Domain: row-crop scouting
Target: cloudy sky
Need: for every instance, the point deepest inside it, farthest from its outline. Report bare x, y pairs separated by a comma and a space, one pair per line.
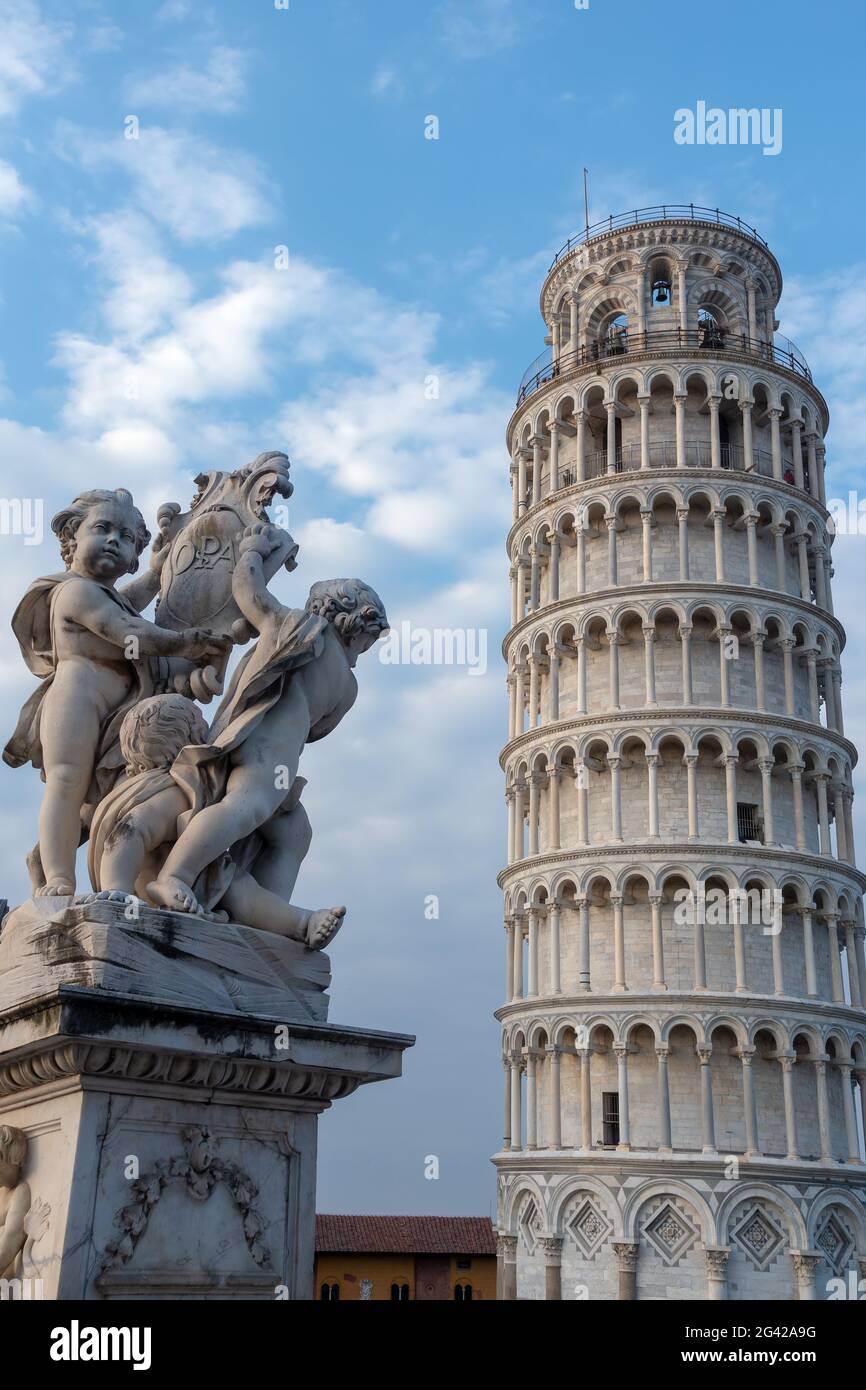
279, 258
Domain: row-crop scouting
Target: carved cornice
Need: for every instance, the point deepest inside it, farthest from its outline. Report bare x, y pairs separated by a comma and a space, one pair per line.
703, 1008
63, 1060
678, 715
700, 851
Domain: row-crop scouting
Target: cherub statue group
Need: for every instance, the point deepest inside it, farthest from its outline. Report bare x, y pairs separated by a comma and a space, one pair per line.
176, 814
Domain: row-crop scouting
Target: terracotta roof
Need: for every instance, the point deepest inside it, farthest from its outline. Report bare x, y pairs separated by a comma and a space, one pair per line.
405, 1235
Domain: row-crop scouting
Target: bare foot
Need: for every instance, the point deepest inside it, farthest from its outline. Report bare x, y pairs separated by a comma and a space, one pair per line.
323, 926
174, 894
56, 888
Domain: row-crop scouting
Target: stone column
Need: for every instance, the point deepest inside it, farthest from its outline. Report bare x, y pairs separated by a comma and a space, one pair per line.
516, 1138
517, 991
610, 407
665, 1144
649, 637
715, 442
820, 554
615, 763
553, 771
683, 538
750, 1109
580, 462
821, 780
555, 1098
532, 954
585, 1099
652, 762
717, 1273
552, 1250
809, 952
758, 639
621, 1050
719, 515
506, 1259
626, 1252
680, 410
553, 482
610, 522
582, 905
580, 645
823, 1107
532, 663
655, 901
580, 555
777, 531
739, 944
686, 639
802, 540
537, 442
776, 442
513, 575
787, 1061
555, 953
509, 958
724, 633
646, 517
553, 686
506, 1120
534, 579
836, 679
751, 520
731, 760
806, 1264
838, 993
522, 456
519, 815
644, 403
766, 765
707, 1117
797, 451
751, 310
613, 660
846, 1067
513, 477
681, 299
553, 571
796, 772
748, 443
619, 984
531, 1102
509, 802
691, 762
582, 789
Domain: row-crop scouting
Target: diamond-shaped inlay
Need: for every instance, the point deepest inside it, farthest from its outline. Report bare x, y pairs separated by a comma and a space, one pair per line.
588, 1227
758, 1236
670, 1233
835, 1242
529, 1225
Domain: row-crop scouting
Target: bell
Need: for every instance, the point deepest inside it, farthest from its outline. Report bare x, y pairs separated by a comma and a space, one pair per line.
660, 290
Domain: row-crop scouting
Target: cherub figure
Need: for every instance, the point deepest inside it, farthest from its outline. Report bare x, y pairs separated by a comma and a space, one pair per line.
135, 826
96, 657
22, 1222
292, 688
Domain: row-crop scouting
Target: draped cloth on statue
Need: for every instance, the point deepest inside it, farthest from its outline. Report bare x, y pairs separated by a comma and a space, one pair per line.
33, 625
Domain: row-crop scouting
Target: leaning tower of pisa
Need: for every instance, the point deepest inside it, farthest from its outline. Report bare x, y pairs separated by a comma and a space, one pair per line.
683, 1032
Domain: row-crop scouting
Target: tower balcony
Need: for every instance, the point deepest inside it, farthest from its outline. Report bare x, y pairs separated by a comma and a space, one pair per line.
698, 342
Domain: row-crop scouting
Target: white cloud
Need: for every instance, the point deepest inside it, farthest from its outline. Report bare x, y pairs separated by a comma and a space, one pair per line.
218, 86
14, 195
199, 191
34, 53
386, 82
478, 28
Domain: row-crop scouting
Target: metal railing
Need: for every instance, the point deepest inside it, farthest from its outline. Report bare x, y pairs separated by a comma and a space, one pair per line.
663, 212
782, 353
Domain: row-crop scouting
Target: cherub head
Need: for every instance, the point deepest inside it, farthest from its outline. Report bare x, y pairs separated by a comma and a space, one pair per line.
156, 729
355, 610
13, 1151
102, 534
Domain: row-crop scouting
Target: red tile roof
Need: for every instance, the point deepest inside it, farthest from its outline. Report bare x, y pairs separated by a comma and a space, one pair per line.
405, 1235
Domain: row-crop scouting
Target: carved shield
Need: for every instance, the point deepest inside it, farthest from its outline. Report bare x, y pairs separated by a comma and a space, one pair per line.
196, 587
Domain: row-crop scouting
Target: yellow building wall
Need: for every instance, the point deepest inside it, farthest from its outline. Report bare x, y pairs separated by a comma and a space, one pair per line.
385, 1270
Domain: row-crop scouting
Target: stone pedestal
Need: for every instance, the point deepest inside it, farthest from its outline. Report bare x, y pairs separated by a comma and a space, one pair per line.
168, 1074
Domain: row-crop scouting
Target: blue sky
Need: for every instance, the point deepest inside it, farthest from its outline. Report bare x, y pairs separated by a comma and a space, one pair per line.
145, 333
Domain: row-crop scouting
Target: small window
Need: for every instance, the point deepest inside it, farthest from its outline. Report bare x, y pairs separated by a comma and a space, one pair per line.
399, 1293
463, 1293
610, 1117
748, 822
464, 1264
330, 1291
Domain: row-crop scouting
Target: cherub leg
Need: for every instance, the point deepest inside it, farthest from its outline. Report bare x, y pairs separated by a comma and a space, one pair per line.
287, 838
68, 763
123, 857
254, 906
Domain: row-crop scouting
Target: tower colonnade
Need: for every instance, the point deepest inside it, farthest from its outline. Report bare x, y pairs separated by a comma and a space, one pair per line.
683, 1025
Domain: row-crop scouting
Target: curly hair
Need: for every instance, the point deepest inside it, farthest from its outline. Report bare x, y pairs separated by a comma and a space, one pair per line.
66, 523
350, 604
155, 730
13, 1146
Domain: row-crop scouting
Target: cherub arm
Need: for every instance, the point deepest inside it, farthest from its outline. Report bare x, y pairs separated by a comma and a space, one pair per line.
89, 606
261, 543
12, 1233
140, 591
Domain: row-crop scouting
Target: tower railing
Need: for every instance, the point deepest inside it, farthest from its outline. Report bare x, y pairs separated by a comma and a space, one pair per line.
545, 368
662, 212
